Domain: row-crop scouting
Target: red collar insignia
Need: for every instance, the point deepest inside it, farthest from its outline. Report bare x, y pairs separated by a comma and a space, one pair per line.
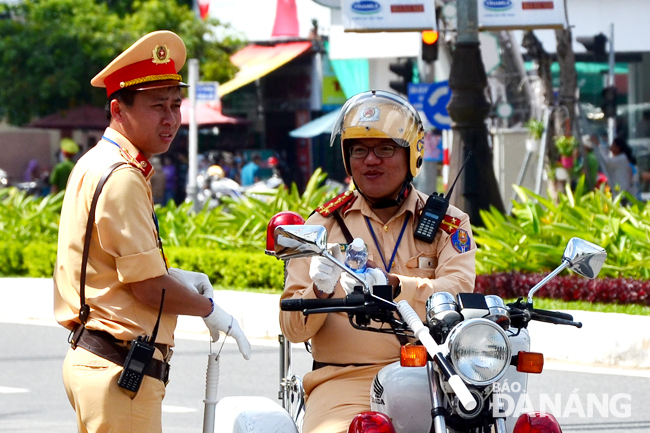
338, 201
139, 162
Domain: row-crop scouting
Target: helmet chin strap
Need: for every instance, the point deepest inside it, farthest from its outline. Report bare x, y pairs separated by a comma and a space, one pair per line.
384, 203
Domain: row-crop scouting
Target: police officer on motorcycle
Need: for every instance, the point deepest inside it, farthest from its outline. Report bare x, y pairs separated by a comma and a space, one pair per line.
382, 142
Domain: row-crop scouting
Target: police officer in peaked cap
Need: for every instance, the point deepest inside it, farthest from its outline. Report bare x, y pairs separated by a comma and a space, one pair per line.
113, 298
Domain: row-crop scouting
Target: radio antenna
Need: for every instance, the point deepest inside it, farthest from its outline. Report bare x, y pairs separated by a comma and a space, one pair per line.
469, 155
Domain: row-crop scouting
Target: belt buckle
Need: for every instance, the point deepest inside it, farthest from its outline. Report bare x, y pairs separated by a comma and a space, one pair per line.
75, 335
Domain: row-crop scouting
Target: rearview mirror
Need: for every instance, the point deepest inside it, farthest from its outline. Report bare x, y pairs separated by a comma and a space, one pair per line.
294, 241
584, 258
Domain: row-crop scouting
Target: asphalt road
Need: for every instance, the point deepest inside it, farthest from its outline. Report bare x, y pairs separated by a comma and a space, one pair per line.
32, 397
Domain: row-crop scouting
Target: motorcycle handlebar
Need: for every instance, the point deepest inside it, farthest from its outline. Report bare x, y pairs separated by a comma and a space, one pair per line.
557, 314
305, 304
543, 316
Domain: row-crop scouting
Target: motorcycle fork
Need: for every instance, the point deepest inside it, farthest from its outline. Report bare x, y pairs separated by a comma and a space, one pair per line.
500, 420
438, 411
291, 390
285, 369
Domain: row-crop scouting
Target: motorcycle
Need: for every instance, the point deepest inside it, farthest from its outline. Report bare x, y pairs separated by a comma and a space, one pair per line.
452, 381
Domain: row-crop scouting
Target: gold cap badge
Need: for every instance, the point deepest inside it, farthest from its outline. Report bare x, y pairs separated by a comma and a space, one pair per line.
160, 55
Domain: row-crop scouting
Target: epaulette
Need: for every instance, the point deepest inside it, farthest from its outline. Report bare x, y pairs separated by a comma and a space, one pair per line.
139, 162
326, 209
450, 224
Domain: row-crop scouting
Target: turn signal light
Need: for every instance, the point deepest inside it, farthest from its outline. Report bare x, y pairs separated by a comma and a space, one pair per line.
537, 422
413, 356
530, 362
371, 422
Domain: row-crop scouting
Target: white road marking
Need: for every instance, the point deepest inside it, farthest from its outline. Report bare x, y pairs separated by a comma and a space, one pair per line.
7, 390
177, 409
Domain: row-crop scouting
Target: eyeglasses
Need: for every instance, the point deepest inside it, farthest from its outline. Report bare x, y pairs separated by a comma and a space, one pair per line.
382, 151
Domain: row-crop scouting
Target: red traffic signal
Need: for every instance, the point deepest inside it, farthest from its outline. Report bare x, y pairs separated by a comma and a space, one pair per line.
430, 46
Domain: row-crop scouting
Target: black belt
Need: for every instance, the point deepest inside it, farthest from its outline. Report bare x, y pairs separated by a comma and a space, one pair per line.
108, 347
316, 365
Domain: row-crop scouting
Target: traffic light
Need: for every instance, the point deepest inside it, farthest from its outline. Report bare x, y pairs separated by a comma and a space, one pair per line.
404, 69
430, 46
594, 44
609, 101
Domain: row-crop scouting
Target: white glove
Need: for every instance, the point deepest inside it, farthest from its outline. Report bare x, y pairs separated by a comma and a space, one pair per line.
372, 276
324, 273
195, 281
219, 320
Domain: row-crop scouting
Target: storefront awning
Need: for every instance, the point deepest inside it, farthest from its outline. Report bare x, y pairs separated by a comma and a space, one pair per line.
320, 125
255, 61
207, 113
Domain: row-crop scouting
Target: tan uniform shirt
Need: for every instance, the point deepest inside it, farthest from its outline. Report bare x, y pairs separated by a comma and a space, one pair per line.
422, 269
123, 247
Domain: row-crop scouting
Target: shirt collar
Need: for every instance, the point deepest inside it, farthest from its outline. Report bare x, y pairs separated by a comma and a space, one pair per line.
130, 153
413, 204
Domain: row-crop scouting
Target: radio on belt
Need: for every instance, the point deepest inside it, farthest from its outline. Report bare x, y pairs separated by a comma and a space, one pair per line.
139, 357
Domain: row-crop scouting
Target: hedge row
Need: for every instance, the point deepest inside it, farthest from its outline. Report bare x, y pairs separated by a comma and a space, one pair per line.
567, 288
34, 260
254, 269
237, 269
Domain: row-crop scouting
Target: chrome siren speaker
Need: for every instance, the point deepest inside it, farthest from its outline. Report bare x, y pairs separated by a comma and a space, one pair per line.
442, 307
498, 311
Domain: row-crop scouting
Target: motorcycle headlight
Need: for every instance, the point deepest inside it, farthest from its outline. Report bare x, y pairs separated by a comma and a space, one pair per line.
479, 350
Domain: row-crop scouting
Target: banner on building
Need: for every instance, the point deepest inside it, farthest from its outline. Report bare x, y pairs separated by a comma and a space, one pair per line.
521, 14
388, 15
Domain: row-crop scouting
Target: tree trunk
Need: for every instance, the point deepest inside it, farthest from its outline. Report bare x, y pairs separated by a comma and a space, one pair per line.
477, 186
568, 77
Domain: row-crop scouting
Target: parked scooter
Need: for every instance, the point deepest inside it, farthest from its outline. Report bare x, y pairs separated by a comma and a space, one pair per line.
449, 382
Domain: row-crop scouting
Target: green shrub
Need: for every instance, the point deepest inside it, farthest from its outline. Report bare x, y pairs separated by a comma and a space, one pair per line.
227, 268
39, 259
533, 238
11, 259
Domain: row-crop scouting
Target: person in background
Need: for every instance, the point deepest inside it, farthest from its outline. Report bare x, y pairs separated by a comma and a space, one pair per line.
170, 179
32, 172
643, 128
621, 166
158, 182
250, 172
61, 171
589, 164
382, 143
182, 172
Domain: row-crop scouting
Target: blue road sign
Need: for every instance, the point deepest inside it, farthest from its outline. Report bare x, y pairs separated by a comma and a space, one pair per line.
432, 99
207, 91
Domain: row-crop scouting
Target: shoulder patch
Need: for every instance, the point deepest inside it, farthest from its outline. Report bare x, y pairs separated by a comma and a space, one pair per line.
450, 224
337, 202
460, 241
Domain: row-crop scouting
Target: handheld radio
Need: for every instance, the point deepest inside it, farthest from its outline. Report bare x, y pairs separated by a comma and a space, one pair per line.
139, 357
434, 211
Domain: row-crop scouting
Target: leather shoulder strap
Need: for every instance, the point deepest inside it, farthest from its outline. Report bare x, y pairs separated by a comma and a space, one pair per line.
346, 232
84, 311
